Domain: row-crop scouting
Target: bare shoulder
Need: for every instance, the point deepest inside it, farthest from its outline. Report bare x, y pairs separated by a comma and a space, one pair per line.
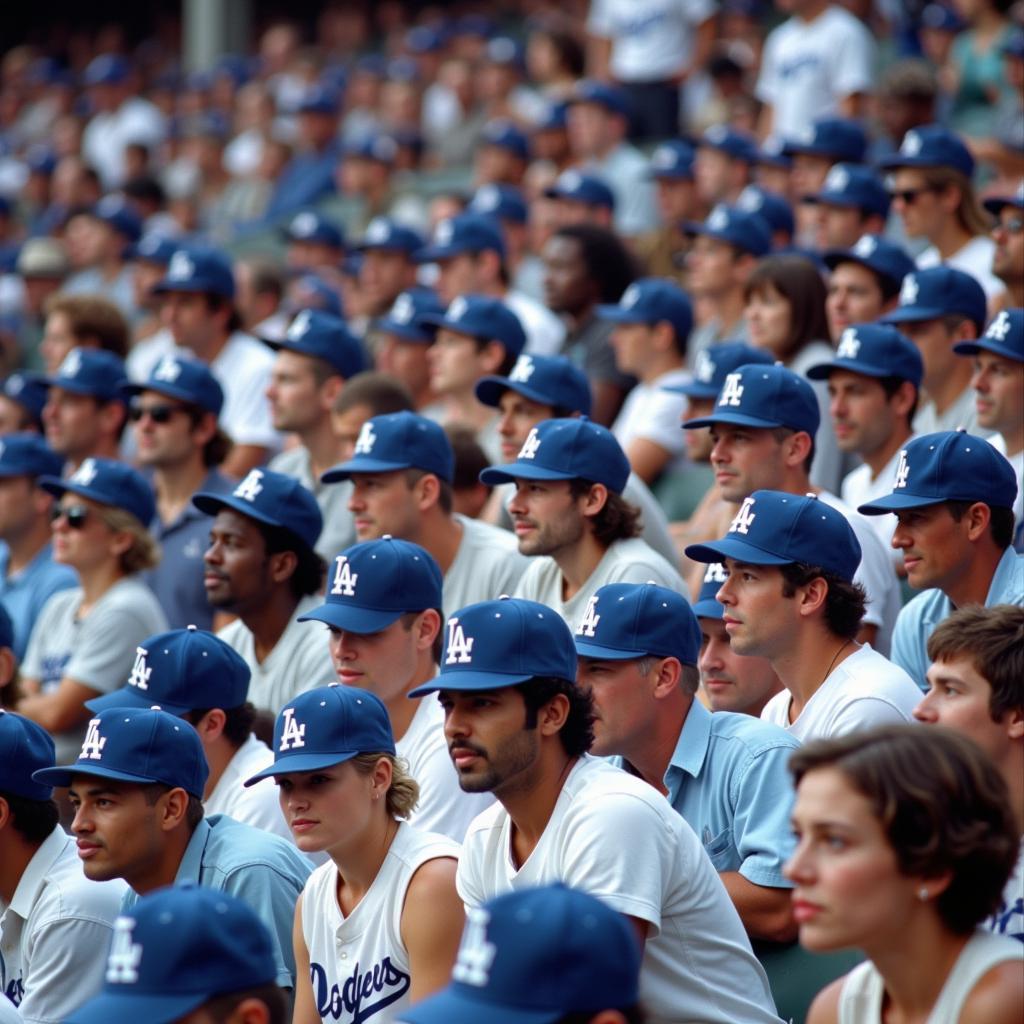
997, 997
825, 1008
434, 877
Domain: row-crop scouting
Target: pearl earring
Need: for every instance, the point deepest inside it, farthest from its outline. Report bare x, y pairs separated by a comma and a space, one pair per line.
923, 894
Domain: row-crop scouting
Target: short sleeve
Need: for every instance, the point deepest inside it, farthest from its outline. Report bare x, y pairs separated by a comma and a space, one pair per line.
908, 640
865, 713
599, 20
761, 829
767, 88
46, 626
853, 62
660, 422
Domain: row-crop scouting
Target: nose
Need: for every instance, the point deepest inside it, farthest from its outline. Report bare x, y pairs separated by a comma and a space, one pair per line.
900, 537
924, 711
798, 867
719, 455
724, 594
710, 658
356, 502
212, 555
455, 724
80, 824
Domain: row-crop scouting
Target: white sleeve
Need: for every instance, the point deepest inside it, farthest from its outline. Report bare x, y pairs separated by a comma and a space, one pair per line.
246, 415
599, 21
660, 422
853, 62
875, 573
865, 713
767, 88
696, 12
468, 881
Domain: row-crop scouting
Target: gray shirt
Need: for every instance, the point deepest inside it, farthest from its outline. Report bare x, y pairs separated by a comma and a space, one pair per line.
487, 565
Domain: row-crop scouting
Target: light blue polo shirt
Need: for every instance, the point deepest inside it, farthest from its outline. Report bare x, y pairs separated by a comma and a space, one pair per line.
264, 870
728, 779
917, 620
25, 594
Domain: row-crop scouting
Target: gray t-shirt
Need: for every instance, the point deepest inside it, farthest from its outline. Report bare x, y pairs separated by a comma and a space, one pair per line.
487, 565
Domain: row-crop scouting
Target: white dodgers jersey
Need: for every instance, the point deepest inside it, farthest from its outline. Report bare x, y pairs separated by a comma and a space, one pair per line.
358, 966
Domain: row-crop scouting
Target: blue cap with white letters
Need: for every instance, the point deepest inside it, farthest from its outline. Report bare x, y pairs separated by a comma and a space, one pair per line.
108, 482
1004, 336
483, 318
850, 185
465, 232
773, 209
878, 254
714, 364
197, 269
611, 97
403, 318
838, 138
874, 350
505, 202
548, 380
27, 748
734, 143
29, 390
386, 234
707, 605
672, 161
932, 145
320, 335
581, 188
90, 371
310, 226
740, 228
28, 455
652, 300
938, 291
183, 378
504, 134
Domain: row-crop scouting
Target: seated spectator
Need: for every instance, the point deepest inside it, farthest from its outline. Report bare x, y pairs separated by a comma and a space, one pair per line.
313, 241
402, 342
1008, 234
387, 267
581, 198
851, 202
22, 400
81, 321
723, 165
663, 250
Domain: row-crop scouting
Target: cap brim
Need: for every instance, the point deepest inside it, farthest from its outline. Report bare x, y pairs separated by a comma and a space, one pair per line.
897, 503
63, 774
910, 314
470, 681
693, 390
490, 389
130, 697
344, 470
57, 486
435, 253
983, 344
290, 763
737, 418
521, 471
211, 504
132, 388
821, 371
451, 1006
353, 619
618, 315
708, 609
78, 389
586, 649
738, 550
404, 331
108, 1008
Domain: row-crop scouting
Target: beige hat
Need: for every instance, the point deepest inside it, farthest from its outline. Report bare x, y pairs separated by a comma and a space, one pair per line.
43, 257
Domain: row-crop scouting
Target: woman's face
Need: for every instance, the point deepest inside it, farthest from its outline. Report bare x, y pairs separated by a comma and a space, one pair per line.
848, 888
770, 320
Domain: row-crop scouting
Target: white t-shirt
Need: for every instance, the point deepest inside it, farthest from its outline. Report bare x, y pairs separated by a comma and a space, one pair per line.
859, 487
487, 565
358, 962
651, 39
299, 661
653, 414
545, 332
242, 368
625, 561
698, 964
258, 805
625, 171
443, 807
1017, 461
1009, 918
962, 413
975, 258
145, 354
807, 68
864, 691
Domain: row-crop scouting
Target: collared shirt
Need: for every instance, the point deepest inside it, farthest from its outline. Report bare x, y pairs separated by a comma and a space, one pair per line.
177, 581
256, 805
24, 593
264, 870
919, 618
728, 778
55, 932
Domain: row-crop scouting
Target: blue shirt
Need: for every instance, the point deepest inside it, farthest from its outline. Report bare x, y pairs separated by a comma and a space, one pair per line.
25, 593
264, 870
728, 779
177, 581
918, 619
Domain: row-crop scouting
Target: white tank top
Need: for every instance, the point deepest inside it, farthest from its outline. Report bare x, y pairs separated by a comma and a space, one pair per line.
860, 1001
358, 966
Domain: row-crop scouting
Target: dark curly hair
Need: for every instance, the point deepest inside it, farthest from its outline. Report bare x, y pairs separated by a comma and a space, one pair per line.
844, 603
577, 735
942, 804
617, 519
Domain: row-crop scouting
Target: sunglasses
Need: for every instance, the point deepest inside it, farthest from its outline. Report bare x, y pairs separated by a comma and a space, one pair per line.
76, 516
909, 195
157, 413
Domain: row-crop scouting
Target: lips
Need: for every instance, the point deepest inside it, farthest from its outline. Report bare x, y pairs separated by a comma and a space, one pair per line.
303, 824
463, 757
87, 849
804, 911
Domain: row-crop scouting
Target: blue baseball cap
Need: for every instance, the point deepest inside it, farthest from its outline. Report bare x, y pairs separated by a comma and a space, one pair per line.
878, 254
672, 161
398, 440
1004, 336
937, 291
581, 188
108, 482
838, 138
504, 134
1013, 44
424, 39
181, 670
310, 226
552, 119
850, 185
734, 143
27, 748
942, 19
318, 99
29, 390
771, 208
932, 145
874, 350
379, 148
106, 69
319, 335
772, 154
715, 363
634, 620
465, 232
176, 949
483, 318
995, 204
403, 318
951, 465
28, 455
116, 211
775, 528
153, 248
373, 584
6, 628
502, 643
198, 270
707, 605
503, 50
186, 379
386, 234
137, 745
652, 300
764, 396
271, 498
612, 98
740, 228
547, 952
325, 726
566, 449
505, 202
310, 291
549, 380
90, 371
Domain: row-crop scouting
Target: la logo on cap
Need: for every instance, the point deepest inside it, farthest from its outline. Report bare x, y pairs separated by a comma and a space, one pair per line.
304, 224
366, 440
167, 370
140, 671
85, 474
865, 246
92, 746
719, 219
250, 486
125, 955
404, 309
530, 445
444, 232
299, 327
705, 367
908, 290
849, 344
1000, 327
457, 310
181, 267
837, 179
345, 579
911, 144
902, 470
744, 519
460, 647
72, 364
523, 370
476, 954
293, 735
588, 624
715, 573
732, 391
377, 230
631, 297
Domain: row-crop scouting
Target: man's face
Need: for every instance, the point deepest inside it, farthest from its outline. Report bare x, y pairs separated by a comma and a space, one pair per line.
731, 681
57, 340
1008, 234
758, 619
17, 514
237, 568
455, 363
190, 320
384, 663
517, 416
935, 342
458, 275
346, 427
936, 549
566, 285
698, 441
839, 227
88, 545
918, 205
712, 171
383, 275
624, 704
293, 393
862, 415
72, 422
634, 347
547, 518
589, 128
675, 199
384, 503
118, 834
712, 266
854, 297
406, 361
13, 417
999, 392
169, 442
745, 459
808, 174
488, 741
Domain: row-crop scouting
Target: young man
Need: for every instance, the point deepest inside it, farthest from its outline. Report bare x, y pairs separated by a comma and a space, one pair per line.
937, 308
852, 202
29, 577
518, 726
652, 327
974, 681
189, 956
175, 415
137, 790
384, 621
315, 359
402, 342
663, 250
261, 565
953, 501
313, 242
85, 322
197, 676
401, 471
581, 199
790, 596
569, 511
388, 267
725, 774
1008, 235
724, 162
55, 923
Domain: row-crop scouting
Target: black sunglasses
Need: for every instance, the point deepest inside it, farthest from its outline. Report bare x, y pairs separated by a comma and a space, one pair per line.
909, 195
157, 413
76, 515
1013, 226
